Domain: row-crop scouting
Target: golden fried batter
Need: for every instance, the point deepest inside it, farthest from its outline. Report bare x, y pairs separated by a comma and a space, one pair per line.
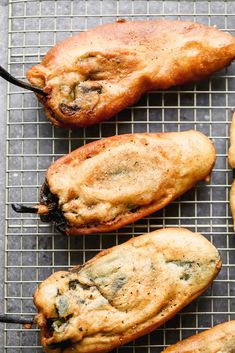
115, 181
124, 292
94, 75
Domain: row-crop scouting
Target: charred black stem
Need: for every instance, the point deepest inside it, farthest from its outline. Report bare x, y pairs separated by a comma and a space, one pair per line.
8, 77
11, 319
48, 209
24, 209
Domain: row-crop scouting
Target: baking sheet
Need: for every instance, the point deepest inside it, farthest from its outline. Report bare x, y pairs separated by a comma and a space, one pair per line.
33, 250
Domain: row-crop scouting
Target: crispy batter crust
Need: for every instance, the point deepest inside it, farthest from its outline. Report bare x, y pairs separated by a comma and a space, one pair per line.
219, 339
92, 76
112, 182
231, 152
124, 292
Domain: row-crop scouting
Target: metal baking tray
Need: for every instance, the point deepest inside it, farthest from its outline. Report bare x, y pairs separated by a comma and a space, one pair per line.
34, 250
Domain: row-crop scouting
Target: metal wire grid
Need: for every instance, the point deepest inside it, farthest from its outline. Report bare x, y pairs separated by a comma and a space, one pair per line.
33, 249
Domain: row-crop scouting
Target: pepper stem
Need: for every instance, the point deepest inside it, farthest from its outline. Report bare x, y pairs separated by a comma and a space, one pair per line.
11, 319
38, 209
8, 77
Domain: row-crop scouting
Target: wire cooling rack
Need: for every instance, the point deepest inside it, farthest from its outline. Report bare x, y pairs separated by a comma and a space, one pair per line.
34, 250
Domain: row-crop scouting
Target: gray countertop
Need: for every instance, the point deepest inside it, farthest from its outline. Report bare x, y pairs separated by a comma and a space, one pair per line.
3, 107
